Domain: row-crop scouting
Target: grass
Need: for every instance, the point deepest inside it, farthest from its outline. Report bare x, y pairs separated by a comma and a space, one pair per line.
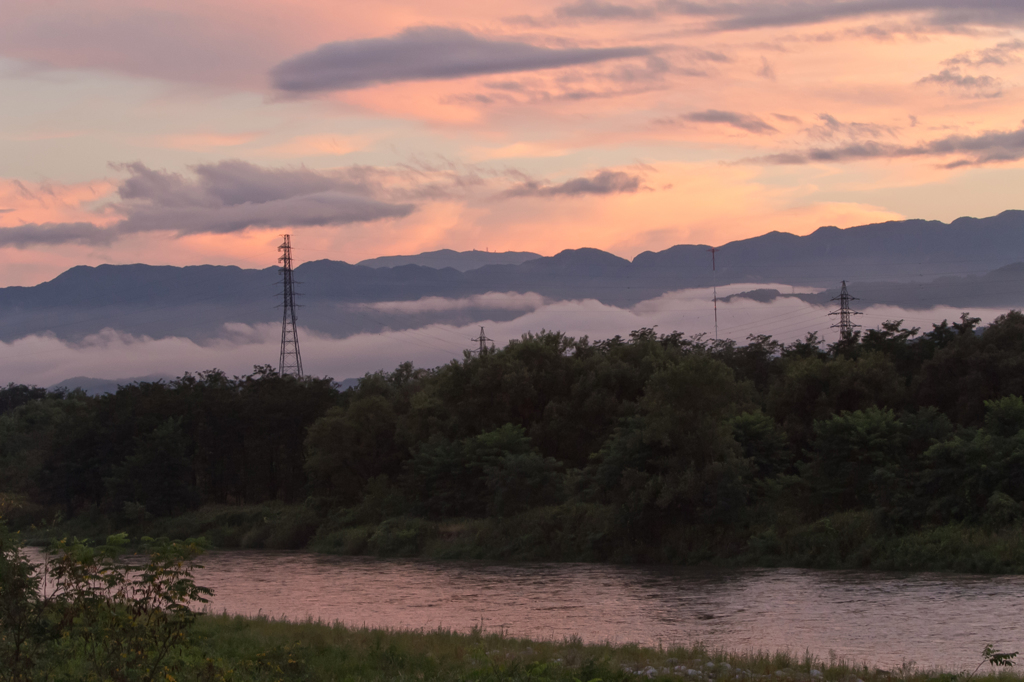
265, 649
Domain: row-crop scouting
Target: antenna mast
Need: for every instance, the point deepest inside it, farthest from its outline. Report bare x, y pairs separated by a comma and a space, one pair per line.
845, 324
291, 361
714, 284
482, 340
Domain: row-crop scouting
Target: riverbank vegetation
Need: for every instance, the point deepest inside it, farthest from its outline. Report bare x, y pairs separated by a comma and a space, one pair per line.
891, 449
319, 651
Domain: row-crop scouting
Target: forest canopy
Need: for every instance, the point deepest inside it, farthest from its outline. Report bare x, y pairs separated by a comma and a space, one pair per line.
655, 447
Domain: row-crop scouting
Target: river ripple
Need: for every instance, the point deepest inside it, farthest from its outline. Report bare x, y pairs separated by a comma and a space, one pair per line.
884, 619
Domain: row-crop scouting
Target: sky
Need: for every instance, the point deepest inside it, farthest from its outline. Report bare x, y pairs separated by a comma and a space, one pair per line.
198, 132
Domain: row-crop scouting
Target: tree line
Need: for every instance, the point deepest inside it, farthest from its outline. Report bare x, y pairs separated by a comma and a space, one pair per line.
656, 446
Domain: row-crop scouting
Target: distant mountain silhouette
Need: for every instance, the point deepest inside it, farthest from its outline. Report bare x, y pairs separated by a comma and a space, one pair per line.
100, 386
447, 258
900, 251
886, 262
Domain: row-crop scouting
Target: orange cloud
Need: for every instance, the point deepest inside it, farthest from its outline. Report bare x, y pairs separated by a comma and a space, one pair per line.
44, 202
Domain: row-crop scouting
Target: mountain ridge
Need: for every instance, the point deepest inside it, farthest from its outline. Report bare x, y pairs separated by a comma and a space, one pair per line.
449, 258
339, 298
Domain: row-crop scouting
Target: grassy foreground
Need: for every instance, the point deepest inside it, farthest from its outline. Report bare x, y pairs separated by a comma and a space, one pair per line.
263, 649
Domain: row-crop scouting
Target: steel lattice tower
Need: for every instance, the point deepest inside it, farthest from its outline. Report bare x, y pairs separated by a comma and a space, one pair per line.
714, 284
291, 361
482, 340
845, 324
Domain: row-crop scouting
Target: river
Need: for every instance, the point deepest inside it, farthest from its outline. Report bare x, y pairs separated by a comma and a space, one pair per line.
883, 619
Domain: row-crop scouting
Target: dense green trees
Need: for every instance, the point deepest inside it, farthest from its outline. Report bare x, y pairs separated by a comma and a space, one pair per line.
664, 438
348, 447
167, 447
497, 473
157, 475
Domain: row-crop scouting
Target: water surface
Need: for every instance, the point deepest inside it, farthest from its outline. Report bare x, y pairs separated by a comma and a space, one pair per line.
883, 619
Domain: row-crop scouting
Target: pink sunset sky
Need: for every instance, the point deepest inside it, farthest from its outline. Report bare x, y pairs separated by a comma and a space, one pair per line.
197, 132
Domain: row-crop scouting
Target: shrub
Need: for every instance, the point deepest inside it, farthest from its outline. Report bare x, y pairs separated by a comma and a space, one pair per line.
401, 537
103, 618
1001, 510
21, 623
292, 530
346, 541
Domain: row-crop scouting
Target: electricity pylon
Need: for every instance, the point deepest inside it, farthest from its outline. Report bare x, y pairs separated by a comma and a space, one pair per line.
482, 340
845, 324
291, 360
714, 284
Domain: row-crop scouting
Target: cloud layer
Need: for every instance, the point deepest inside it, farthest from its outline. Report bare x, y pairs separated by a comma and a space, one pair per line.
45, 360
985, 148
978, 86
755, 14
605, 182
50, 234
748, 122
425, 53
225, 197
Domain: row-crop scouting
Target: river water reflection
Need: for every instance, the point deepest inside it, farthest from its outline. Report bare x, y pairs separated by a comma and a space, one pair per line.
879, 618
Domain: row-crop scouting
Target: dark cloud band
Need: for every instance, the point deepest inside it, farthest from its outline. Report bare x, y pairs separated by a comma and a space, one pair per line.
748, 122
225, 197
35, 234
988, 147
605, 182
982, 86
945, 13
751, 14
322, 208
425, 53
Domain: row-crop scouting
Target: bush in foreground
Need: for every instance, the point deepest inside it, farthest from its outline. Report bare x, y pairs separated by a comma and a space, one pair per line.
89, 615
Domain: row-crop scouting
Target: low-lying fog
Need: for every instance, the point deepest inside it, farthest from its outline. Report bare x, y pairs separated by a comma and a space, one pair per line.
45, 360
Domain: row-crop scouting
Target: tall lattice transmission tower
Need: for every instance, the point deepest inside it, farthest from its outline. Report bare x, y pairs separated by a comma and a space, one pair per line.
482, 340
291, 360
714, 284
845, 324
